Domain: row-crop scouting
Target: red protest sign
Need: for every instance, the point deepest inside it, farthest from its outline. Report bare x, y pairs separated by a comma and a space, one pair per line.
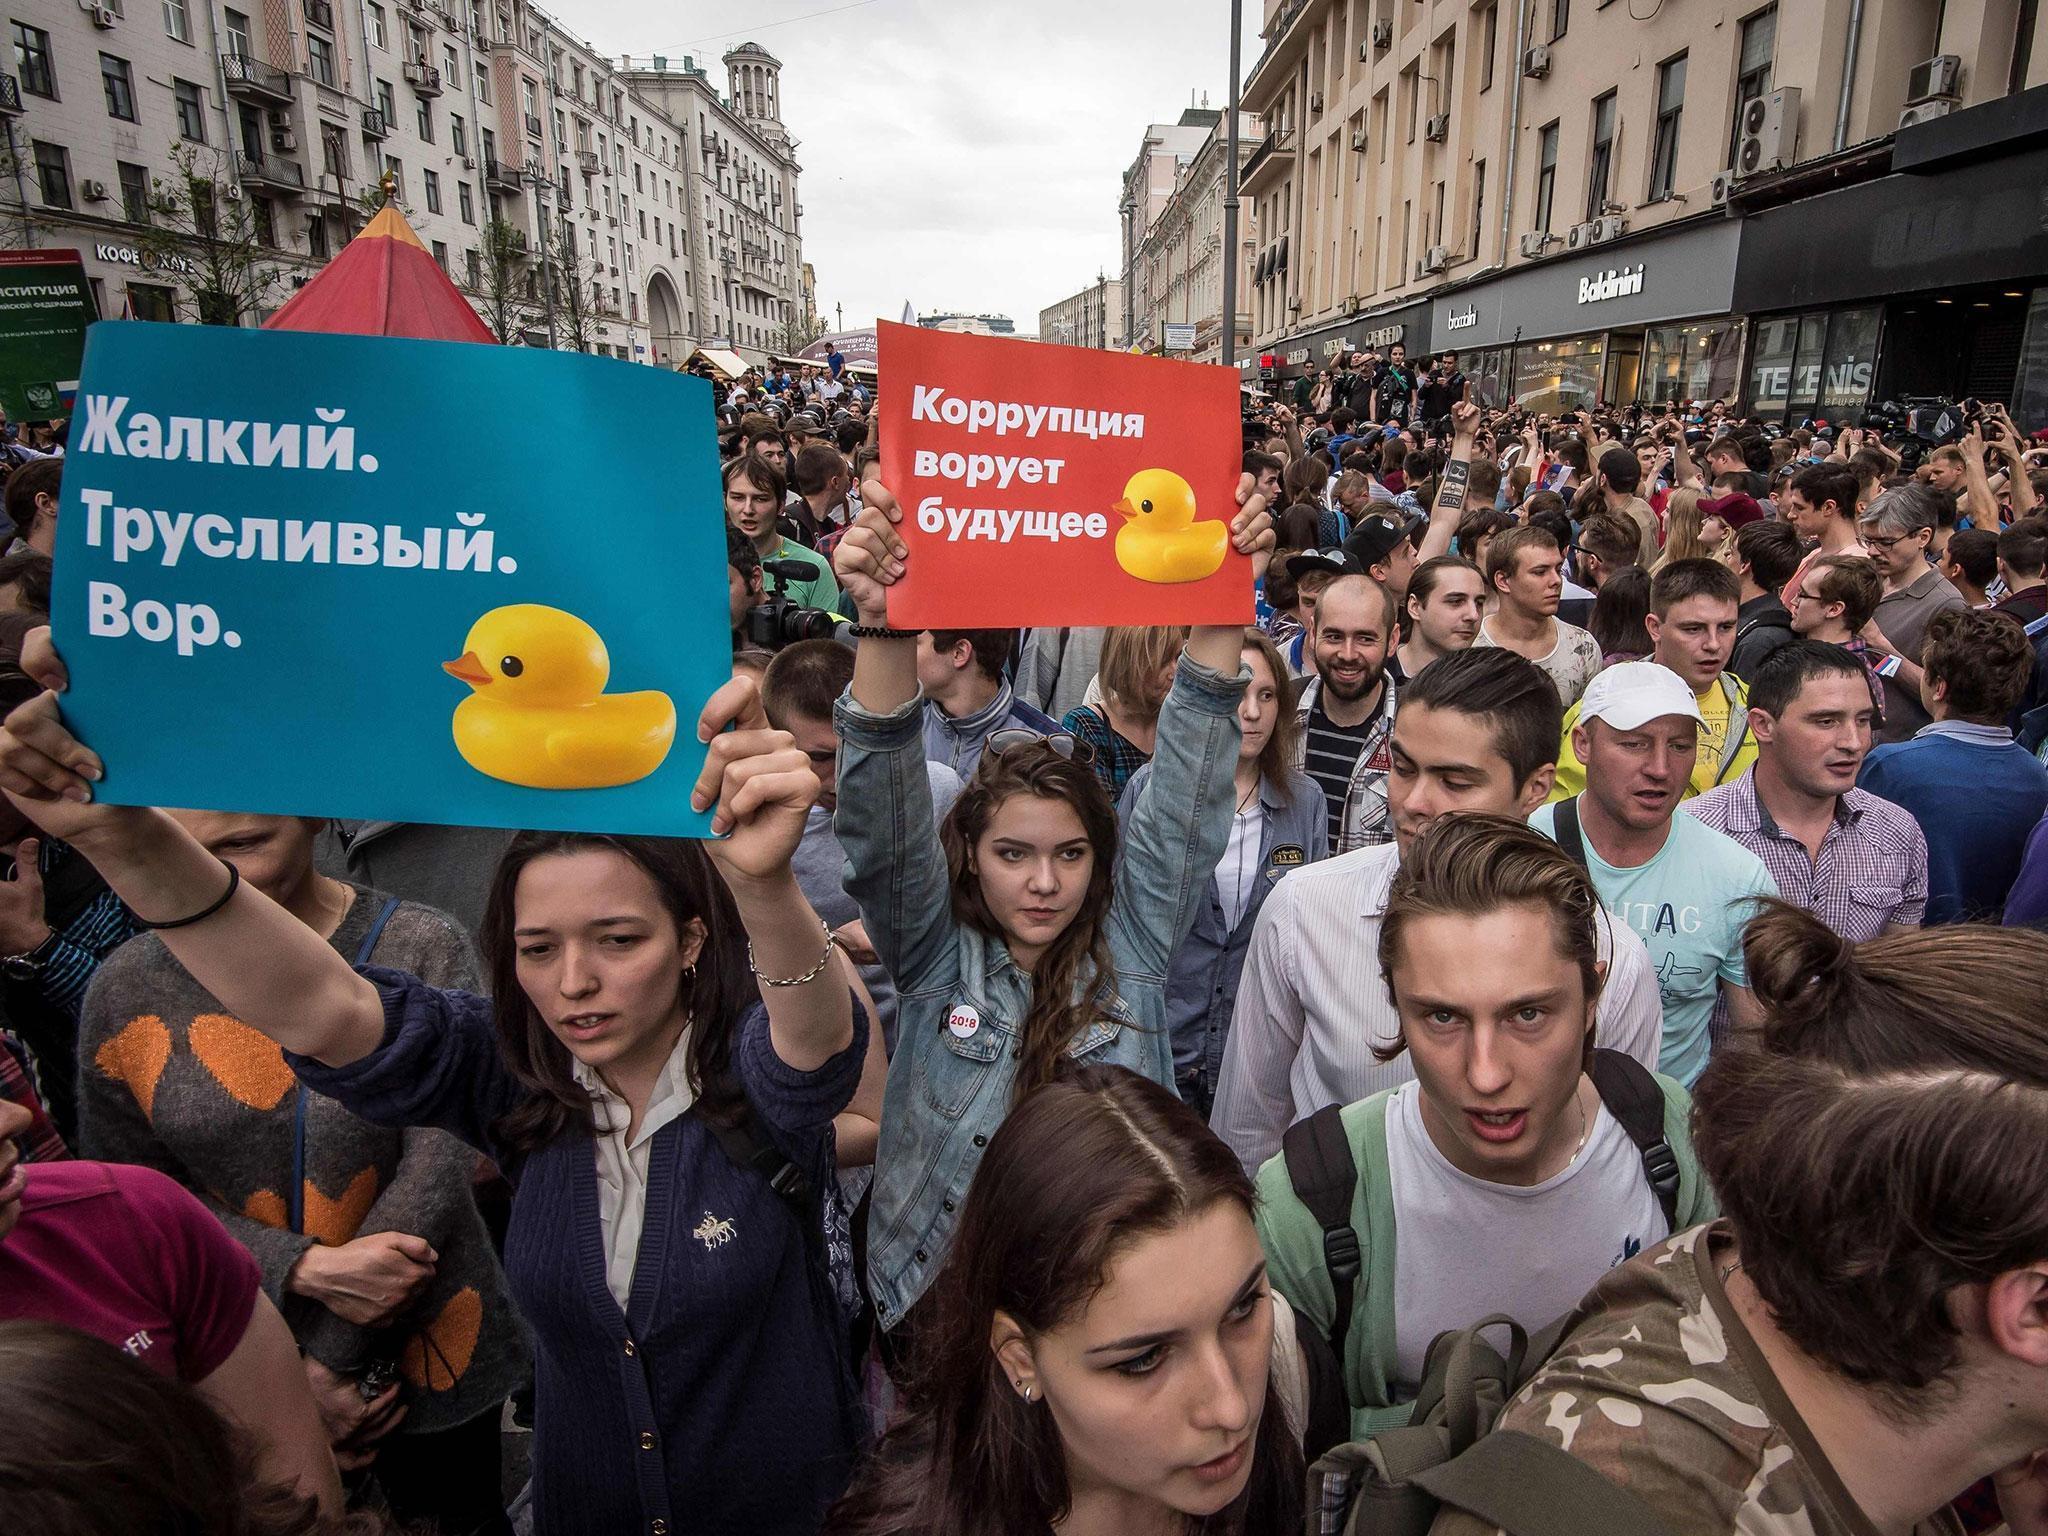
1045, 485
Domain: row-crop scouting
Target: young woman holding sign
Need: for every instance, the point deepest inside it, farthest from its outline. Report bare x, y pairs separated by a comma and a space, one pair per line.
1025, 939
672, 1030
1100, 1354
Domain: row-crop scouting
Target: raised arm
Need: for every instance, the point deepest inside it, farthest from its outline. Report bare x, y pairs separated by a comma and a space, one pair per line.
265, 966
1449, 509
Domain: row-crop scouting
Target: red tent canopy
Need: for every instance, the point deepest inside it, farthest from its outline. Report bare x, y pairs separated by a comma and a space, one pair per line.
383, 284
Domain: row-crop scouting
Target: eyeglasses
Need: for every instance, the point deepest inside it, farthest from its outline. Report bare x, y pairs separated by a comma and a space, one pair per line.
1070, 747
1874, 542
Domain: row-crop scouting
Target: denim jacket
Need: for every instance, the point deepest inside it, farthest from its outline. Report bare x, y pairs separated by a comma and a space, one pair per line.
962, 1000
1201, 991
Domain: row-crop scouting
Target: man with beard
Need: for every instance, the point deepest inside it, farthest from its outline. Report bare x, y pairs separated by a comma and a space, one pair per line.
1348, 708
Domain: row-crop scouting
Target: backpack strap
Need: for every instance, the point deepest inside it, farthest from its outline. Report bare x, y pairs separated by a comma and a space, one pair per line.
1329, 1408
1565, 831
1632, 1096
1529, 1487
1324, 1177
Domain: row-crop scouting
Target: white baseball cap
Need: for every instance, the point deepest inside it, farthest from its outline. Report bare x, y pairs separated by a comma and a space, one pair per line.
1630, 694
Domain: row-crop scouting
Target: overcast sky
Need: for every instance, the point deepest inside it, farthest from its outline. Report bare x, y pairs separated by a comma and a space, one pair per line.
957, 154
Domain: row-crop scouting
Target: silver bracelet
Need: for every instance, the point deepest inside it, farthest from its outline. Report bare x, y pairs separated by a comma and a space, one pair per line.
795, 981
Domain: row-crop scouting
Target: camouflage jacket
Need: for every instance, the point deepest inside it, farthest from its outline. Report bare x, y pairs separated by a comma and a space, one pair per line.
1659, 1387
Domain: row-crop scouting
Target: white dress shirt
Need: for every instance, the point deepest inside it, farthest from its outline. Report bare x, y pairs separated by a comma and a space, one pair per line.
622, 1165
1312, 1004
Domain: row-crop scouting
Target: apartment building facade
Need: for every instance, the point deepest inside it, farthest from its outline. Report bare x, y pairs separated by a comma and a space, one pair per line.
303, 111
1596, 200
1094, 317
1178, 271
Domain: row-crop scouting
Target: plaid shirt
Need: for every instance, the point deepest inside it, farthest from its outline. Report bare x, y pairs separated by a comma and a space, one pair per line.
1116, 759
40, 1143
1872, 870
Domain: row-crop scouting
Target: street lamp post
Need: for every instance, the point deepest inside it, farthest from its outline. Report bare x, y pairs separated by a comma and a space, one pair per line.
1230, 194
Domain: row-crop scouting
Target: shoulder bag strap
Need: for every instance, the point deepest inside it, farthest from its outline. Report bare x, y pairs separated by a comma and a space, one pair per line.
1324, 1177
1632, 1096
1565, 828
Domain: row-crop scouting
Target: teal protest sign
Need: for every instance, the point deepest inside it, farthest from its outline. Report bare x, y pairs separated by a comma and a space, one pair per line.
45, 307
396, 580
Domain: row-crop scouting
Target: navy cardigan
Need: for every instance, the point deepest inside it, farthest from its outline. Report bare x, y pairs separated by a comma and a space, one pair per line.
722, 1399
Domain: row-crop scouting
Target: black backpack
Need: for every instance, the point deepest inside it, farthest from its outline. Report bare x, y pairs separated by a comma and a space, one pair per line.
1324, 1177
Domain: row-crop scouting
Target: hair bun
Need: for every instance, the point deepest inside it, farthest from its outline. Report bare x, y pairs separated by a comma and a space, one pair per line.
1800, 970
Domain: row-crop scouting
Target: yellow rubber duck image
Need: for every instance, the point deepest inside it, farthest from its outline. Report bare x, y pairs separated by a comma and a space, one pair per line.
538, 714
1161, 541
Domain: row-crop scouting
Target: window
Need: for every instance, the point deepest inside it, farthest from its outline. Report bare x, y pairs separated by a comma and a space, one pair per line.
465, 202
334, 152
1753, 68
177, 27
433, 185
423, 114
472, 268
191, 111
53, 174
488, 141
1603, 156
378, 35
134, 191
32, 61
1560, 18
1546, 175
264, 218
1488, 22
238, 34
451, 67
458, 135
482, 79
387, 107
441, 254
119, 86
395, 169
1670, 109
1478, 205
316, 237
320, 58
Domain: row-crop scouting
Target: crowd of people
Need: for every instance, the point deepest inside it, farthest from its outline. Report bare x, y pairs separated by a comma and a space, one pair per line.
1090, 1074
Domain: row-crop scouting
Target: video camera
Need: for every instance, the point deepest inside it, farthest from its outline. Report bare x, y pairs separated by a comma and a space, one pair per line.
780, 621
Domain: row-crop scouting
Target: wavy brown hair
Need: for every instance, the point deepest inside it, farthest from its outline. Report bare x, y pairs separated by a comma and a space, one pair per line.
1076, 972
1882, 1140
1277, 756
98, 1444
715, 992
1082, 1169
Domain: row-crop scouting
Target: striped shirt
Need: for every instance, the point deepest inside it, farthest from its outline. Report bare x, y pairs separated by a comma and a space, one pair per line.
1312, 1004
1870, 875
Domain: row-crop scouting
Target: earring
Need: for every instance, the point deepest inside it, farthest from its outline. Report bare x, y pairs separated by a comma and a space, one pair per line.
1026, 1390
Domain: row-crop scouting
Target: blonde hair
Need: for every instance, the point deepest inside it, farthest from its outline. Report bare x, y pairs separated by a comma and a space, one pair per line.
1132, 659
1682, 522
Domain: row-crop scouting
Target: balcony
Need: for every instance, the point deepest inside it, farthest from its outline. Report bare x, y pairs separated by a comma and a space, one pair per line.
375, 124
506, 178
532, 125
423, 78
586, 159
273, 171
320, 13
255, 81
1271, 159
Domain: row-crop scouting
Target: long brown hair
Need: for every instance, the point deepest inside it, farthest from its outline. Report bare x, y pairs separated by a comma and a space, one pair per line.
1883, 1138
1276, 756
715, 992
1076, 972
1080, 1170
98, 1444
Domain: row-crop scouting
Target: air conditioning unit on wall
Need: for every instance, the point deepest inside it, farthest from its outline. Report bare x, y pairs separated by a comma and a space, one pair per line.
1767, 134
1536, 62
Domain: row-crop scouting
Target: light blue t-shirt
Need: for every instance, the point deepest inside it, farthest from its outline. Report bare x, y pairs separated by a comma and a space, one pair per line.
1688, 904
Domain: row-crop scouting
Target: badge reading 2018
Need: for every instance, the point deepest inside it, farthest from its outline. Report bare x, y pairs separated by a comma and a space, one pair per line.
963, 1022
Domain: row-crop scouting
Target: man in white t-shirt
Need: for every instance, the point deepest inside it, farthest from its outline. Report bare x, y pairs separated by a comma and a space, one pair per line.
1525, 579
1686, 889
1520, 1165
1312, 1006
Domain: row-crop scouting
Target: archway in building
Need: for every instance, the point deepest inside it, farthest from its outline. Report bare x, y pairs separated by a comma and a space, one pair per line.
665, 321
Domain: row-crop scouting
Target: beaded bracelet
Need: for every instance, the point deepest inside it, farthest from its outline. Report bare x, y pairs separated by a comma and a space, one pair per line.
795, 981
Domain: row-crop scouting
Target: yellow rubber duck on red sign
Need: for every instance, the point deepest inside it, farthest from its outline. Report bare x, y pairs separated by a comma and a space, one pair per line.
1160, 540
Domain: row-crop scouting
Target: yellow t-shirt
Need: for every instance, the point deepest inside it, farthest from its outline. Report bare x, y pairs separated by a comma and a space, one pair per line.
1707, 771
